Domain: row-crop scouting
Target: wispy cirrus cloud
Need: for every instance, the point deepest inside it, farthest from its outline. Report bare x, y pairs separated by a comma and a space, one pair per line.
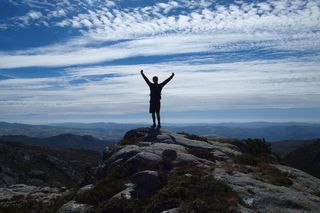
273, 25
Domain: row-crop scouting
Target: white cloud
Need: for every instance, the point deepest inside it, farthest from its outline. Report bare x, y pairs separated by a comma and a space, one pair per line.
34, 14
256, 84
86, 23
58, 13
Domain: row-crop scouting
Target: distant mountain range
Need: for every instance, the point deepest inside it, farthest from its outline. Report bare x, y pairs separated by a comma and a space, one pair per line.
43, 131
114, 131
98, 125
63, 141
270, 131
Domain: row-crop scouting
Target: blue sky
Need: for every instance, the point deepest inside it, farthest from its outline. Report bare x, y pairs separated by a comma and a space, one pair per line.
79, 60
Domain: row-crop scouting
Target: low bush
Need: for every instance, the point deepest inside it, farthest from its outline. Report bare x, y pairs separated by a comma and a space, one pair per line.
194, 194
274, 176
113, 183
257, 147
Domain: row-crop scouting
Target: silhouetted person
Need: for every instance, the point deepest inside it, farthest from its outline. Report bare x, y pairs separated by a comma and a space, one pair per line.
155, 96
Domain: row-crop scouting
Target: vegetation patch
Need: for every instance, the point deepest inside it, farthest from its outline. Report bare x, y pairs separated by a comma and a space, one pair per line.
274, 176
257, 146
113, 183
190, 189
193, 136
194, 194
259, 152
259, 157
246, 159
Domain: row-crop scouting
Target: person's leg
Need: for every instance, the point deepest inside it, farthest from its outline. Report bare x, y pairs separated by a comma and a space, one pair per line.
154, 119
158, 114
158, 118
152, 111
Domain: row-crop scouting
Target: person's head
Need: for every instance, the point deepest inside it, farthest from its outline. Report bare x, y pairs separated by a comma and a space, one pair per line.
155, 79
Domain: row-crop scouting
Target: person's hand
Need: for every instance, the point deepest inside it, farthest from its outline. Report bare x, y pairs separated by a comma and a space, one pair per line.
141, 71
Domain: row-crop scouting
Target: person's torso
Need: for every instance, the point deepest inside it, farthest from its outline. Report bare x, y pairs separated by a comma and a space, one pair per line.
155, 91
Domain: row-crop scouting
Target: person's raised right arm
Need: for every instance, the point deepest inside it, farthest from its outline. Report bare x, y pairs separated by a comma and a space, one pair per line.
145, 78
168, 79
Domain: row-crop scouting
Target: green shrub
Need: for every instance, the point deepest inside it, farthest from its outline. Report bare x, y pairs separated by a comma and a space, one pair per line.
257, 147
104, 190
113, 183
193, 136
194, 194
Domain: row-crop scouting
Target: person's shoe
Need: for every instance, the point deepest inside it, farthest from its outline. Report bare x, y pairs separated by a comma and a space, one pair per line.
159, 126
153, 126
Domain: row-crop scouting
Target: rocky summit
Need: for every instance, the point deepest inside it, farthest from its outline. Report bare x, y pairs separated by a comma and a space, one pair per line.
152, 170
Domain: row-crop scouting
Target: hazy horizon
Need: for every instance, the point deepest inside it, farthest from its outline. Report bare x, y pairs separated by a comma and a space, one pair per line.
198, 119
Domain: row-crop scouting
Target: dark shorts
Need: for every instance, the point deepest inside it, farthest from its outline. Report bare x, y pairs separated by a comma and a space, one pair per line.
154, 106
